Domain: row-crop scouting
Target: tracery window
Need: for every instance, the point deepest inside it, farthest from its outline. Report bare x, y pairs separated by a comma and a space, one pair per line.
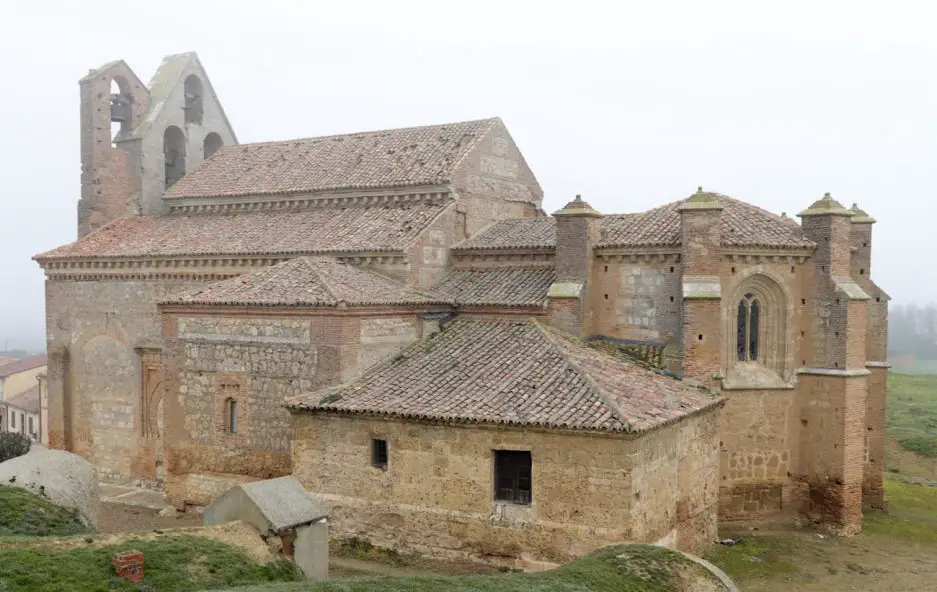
749, 312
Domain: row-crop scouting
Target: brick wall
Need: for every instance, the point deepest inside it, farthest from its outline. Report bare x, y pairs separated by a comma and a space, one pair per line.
833, 440
436, 495
109, 175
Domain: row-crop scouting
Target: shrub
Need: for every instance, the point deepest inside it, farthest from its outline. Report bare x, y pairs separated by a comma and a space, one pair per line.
13, 445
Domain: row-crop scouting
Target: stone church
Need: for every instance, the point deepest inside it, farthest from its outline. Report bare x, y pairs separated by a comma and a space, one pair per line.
391, 317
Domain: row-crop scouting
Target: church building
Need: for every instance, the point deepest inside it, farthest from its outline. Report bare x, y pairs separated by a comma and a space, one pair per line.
391, 317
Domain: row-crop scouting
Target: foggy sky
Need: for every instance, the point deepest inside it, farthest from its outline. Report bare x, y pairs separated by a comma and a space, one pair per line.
631, 104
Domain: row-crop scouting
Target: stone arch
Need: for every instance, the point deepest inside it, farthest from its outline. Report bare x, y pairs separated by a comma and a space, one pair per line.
194, 92
174, 154
211, 144
758, 289
121, 104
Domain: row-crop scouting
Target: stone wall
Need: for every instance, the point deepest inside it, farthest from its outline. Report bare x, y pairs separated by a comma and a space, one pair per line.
637, 299
436, 494
759, 453
171, 113
95, 379
493, 182
256, 360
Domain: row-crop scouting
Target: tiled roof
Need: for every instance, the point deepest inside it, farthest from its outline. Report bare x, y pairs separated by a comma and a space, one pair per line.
386, 158
743, 225
532, 233
17, 366
305, 281
27, 400
513, 373
315, 230
497, 287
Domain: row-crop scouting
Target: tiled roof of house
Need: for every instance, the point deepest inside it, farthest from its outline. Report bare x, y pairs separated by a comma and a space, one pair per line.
531, 233
17, 366
315, 230
496, 287
387, 158
305, 281
27, 401
512, 373
743, 225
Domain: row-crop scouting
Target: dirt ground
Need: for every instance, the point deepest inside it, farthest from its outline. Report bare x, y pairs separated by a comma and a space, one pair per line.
114, 517
804, 562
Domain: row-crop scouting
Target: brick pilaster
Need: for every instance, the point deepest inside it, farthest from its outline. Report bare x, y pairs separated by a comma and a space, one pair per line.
834, 386
701, 242
577, 230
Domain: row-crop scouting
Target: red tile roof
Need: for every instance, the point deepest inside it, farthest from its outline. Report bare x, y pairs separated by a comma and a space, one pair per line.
743, 225
306, 281
513, 373
27, 400
386, 158
17, 366
314, 230
497, 287
532, 233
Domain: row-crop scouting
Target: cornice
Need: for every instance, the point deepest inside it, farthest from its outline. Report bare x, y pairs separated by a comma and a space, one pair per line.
647, 255
206, 268
382, 197
537, 256
755, 256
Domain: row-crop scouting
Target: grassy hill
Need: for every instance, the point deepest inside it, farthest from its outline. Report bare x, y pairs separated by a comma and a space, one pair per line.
620, 568
25, 514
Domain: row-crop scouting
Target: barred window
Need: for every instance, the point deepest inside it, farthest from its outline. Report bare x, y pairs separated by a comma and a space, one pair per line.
512, 476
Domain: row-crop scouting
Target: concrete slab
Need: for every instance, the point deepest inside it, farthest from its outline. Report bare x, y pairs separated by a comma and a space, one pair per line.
133, 496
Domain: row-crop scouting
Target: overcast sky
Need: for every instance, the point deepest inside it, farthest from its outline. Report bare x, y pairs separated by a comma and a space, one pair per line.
632, 104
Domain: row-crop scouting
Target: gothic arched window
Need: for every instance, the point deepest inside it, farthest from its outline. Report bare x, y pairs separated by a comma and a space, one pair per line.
747, 326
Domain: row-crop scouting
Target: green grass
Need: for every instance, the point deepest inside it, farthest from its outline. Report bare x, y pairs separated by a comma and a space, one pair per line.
911, 517
912, 412
26, 514
174, 563
756, 558
632, 568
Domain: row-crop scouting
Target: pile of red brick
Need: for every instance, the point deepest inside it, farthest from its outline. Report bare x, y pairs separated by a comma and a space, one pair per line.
129, 565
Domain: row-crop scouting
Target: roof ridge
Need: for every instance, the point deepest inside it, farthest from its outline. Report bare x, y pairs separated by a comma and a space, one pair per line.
360, 133
584, 374
320, 276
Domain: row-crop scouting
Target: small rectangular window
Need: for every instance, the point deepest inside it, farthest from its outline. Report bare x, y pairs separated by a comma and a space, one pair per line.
512, 476
379, 453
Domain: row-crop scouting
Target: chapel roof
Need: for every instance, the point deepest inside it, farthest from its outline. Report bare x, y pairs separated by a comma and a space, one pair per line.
414, 156
17, 366
512, 373
743, 225
512, 286
314, 230
28, 400
305, 281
